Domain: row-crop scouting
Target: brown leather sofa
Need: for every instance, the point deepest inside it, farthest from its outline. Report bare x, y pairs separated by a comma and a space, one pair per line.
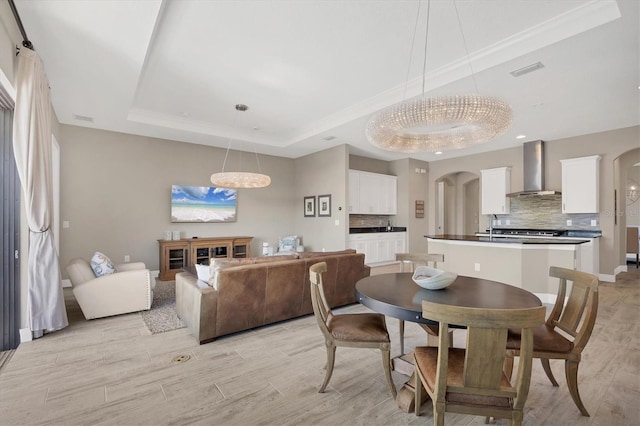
250, 295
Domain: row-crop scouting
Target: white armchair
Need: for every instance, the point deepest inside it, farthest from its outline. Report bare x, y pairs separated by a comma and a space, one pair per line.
129, 289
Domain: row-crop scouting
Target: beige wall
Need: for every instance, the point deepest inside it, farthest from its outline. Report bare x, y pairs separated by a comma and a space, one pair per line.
609, 145
116, 193
369, 165
322, 173
412, 186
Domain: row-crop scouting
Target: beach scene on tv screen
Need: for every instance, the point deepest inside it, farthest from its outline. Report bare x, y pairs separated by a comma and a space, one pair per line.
203, 204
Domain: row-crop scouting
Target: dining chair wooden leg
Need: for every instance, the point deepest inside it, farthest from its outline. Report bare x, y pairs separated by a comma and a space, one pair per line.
331, 357
417, 387
571, 373
547, 369
401, 337
516, 418
438, 413
386, 364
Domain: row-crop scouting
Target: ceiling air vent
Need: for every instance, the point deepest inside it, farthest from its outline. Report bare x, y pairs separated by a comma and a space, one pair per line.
83, 118
527, 69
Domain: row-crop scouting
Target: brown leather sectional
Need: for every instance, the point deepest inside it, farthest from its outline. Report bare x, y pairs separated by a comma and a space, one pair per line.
253, 295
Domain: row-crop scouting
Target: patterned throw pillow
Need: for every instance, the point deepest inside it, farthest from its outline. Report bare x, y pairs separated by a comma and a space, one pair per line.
102, 265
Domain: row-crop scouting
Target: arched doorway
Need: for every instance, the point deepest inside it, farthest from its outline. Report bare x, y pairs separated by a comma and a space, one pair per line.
457, 203
627, 211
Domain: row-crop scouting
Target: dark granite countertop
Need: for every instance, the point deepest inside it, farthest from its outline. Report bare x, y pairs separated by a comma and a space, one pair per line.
506, 240
375, 229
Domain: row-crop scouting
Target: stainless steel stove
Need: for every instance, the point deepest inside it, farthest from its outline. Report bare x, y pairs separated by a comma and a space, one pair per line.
529, 232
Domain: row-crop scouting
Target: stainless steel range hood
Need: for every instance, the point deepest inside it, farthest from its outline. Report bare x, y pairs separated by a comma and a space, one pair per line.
533, 166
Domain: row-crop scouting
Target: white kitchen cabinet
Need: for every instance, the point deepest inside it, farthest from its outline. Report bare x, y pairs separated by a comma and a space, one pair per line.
372, 193
496, 184
354, 190
580, 184
378, 246
388, 194
369, 193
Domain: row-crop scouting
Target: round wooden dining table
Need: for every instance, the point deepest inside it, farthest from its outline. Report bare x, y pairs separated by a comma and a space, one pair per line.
398, 296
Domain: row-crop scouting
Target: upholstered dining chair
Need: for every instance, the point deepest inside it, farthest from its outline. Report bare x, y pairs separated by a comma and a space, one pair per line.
367, 330
566, 331
408, 263
471, 380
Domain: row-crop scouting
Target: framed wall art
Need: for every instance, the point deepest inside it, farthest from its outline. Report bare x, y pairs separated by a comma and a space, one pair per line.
324, 205
203, 204
310, 206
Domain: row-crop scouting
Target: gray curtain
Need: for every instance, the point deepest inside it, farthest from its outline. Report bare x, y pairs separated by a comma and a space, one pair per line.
32, 149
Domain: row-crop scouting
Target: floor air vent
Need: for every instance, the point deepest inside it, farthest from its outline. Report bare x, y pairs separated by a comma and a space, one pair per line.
178, 359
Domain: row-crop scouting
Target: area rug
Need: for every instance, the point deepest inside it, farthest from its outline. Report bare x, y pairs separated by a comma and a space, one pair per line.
162, 316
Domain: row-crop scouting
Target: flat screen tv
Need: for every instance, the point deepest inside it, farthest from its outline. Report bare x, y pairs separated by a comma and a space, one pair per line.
205, 204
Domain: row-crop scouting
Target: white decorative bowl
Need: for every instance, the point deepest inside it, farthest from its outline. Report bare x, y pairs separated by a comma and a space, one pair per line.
432, 278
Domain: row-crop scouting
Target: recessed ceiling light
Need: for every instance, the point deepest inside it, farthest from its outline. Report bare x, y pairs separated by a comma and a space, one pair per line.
329, 138
521, 136
438, 152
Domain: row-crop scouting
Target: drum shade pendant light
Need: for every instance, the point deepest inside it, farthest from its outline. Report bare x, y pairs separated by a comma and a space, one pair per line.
441, 123
240, 179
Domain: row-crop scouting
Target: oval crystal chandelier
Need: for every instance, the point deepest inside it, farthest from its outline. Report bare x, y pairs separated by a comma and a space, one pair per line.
441, 123
240, 179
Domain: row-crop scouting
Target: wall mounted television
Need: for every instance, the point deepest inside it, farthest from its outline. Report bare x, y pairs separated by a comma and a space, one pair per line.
205, 204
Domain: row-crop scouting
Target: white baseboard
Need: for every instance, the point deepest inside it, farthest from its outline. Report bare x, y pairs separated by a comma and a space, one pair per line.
612, 278
25, 335
607, 278
155, 274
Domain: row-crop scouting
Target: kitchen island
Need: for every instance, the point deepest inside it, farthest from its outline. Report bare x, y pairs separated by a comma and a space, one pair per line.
519, 261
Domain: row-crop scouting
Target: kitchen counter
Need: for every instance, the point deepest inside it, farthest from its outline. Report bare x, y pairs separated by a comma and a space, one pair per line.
507, 239
519, 261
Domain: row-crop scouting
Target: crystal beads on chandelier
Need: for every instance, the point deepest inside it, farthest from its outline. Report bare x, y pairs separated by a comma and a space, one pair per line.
439, 123
240, 180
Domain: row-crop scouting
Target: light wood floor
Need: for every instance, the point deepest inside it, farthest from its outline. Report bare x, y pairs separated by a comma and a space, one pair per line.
112, 371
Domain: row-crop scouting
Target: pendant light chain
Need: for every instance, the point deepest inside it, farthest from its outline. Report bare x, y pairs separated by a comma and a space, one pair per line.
426, 40
235, 117
466, 48
413, 42
240, 179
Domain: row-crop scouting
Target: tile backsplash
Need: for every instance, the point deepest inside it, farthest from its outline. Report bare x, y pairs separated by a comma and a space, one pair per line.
536, 212
545, 212
369, 221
